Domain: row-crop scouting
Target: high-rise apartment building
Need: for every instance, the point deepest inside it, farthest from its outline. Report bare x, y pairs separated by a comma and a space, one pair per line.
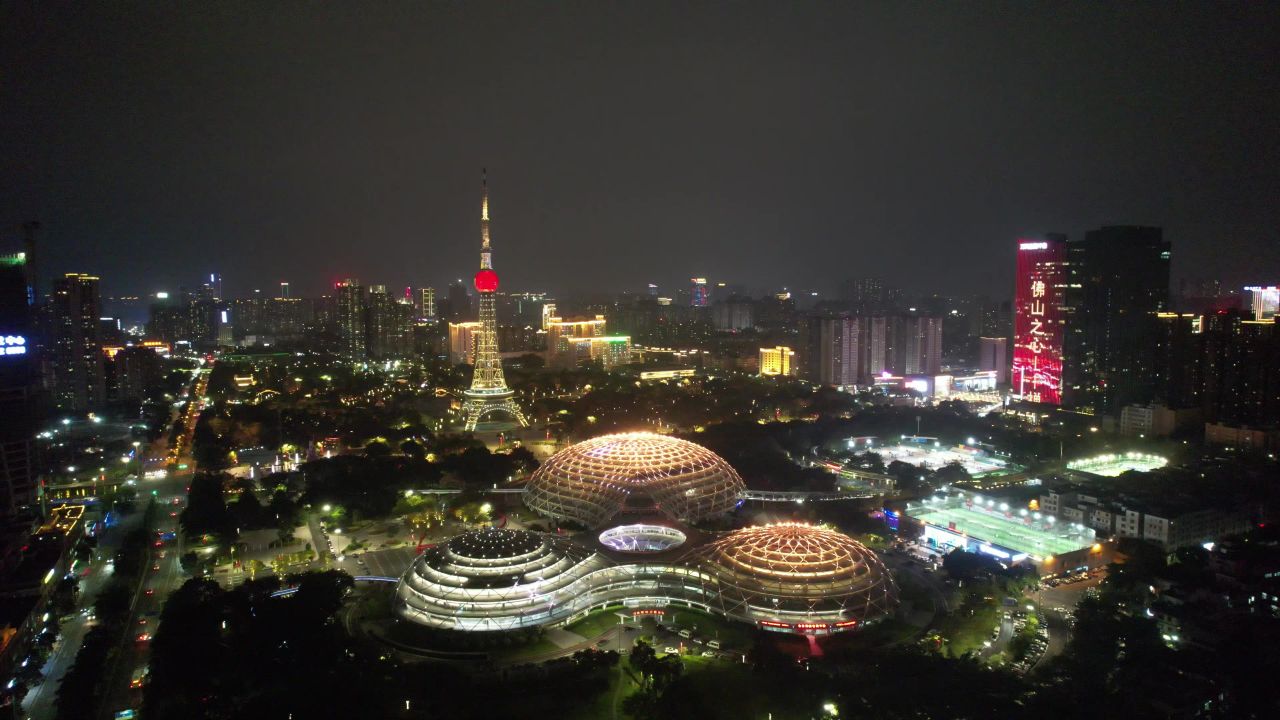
1118, 283
734, 313
1241, 385
916, 345
79, 377
462, 342
388, 325
993, 354
1038, 322
19, 387
427, 303
833, 350
350, 318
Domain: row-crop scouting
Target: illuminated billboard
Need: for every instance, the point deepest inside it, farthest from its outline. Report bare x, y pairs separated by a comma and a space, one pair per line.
1037, 324
13, 345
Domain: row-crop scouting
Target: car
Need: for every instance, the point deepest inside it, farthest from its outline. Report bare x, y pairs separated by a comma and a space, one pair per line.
142, 621
708, 653
155, 567
151, 591
144, 637
671, 650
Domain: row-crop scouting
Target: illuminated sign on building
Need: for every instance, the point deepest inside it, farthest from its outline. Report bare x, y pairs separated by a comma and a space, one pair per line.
1037, 325
13, 345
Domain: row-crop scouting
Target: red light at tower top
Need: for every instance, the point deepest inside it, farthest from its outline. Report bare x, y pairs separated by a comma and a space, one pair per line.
486, 281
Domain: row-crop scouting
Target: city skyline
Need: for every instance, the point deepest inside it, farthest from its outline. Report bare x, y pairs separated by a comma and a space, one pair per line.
947, 132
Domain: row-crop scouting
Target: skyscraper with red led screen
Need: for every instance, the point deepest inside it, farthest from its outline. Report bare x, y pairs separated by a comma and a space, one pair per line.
1038, 318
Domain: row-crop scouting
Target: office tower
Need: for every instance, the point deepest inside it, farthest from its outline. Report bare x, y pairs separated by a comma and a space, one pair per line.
19, 387
548, 315
607, 351
561, 335
284, 291
1118, 282
1264, 301
1180, 361
204, 316
653, 290
699, 294
778, 361
459, 302
79, 378
993, 354
489, 394
215, 286
350, 318
427, 303
1038, 321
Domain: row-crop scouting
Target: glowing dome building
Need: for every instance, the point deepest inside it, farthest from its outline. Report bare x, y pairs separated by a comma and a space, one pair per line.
636, 491
593, 481
799, 576
491, 580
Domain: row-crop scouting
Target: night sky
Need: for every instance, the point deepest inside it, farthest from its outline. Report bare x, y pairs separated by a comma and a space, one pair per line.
766, 144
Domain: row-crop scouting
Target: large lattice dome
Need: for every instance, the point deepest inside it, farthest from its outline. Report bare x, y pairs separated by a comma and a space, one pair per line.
595, 480
801, 571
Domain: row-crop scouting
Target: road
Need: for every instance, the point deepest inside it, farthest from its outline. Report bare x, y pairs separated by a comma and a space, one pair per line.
1002, 641
40, 703
162, 572
149, 599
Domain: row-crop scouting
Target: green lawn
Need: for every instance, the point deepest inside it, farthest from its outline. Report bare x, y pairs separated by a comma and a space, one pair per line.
515, 654
969, 625
596, 623
729, 633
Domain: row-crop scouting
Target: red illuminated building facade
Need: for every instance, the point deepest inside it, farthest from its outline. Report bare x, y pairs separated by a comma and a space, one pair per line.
1038, 319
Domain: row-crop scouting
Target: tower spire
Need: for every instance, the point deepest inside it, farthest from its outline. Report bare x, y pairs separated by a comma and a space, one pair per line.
485, 261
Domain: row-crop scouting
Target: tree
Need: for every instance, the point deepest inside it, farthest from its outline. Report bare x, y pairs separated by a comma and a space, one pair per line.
206, 512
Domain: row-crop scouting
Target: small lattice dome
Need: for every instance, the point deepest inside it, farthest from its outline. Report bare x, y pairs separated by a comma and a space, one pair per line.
804, 567
594, 480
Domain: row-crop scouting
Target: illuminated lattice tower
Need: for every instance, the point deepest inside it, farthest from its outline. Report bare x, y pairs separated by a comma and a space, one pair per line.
489, 394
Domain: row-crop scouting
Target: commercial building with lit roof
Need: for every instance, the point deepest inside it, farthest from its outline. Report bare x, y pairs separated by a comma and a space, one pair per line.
638, 492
